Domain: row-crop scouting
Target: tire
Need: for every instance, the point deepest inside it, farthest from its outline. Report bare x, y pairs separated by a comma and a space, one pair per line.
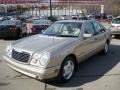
19, 34
67, 70
106, 48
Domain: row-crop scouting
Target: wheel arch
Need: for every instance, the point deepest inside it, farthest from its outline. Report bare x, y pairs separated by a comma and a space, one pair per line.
75, 60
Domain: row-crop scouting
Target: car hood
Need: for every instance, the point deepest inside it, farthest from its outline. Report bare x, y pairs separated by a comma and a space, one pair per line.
39, 43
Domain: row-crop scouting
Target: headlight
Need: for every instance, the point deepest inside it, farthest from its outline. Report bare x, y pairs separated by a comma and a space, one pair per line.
40, 59
9, 50
45, 57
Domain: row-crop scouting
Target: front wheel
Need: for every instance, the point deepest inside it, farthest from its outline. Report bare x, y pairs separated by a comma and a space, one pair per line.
67, 70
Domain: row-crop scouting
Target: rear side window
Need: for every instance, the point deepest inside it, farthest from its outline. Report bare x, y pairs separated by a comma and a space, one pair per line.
98, 27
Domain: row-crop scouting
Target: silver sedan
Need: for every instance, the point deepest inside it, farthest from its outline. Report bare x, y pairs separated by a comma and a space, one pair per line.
58, 51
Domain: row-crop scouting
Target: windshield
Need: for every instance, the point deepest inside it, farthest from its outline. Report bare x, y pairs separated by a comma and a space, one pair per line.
10, 22
116, 21
67, 29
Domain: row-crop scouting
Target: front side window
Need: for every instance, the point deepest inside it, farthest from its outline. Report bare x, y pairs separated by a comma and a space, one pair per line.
67, 29
88, 28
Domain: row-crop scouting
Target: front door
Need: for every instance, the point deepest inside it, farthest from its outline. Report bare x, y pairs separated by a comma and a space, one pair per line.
88, 45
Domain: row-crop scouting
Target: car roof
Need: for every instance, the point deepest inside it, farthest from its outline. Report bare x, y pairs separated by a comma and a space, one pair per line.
80, 21
45, 22
42, 20
13, 20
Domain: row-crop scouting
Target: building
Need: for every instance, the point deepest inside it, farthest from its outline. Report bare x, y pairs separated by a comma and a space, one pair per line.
53, 1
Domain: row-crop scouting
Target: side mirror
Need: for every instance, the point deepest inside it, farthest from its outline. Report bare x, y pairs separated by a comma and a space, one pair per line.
87, 35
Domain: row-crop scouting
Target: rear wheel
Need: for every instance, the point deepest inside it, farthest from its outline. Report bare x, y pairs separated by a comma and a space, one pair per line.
67, 70
19, 34
106, 48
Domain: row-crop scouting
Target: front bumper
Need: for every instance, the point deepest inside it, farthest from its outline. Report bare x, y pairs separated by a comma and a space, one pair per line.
33, 71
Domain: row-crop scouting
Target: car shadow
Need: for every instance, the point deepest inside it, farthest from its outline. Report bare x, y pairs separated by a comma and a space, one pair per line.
93, 68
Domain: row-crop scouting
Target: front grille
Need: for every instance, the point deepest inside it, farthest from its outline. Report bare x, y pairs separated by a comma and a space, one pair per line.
20, 56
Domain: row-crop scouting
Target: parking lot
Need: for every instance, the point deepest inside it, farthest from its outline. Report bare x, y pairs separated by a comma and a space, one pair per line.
97, 73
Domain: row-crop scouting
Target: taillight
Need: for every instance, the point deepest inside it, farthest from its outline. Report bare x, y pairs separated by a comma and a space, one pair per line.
33, 28
13, 27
